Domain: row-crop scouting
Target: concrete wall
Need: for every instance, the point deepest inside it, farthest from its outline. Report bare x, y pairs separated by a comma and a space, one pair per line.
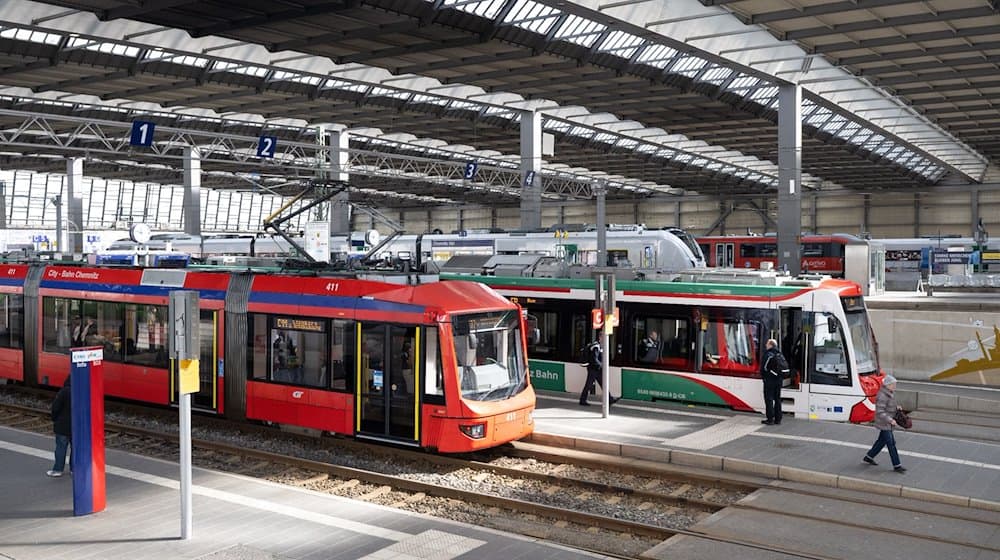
937, 341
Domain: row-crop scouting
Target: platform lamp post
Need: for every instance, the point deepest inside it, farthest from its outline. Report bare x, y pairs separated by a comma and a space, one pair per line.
184, 346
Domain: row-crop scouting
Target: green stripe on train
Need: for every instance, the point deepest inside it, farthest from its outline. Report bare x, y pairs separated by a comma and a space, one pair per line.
646, 386
683, 288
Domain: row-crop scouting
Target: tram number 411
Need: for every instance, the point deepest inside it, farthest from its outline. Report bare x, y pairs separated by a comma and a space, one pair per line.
142, 133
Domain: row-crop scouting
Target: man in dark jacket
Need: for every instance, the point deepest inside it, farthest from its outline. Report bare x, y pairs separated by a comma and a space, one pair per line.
595, 364
772, 371
62, 425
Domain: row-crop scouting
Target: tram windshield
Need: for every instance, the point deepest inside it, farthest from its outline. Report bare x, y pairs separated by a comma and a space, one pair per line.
491, 364
862, 338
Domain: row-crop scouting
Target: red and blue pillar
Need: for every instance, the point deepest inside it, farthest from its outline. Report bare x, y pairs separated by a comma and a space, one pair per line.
87, 460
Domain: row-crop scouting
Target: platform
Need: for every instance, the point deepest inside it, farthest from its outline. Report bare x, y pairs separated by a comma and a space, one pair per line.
235, 517
942, 469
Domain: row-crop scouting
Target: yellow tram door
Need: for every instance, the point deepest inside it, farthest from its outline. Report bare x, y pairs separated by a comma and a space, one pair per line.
387, 390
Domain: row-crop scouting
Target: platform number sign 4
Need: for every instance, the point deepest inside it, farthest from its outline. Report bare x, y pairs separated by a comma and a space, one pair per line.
266, 146
470, 169
142, 133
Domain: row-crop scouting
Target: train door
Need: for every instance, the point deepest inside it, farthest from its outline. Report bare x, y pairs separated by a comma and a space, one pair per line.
207, 397
792, 343
387, 397
724, 254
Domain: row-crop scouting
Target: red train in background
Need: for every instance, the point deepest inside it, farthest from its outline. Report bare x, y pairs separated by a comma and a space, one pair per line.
441, 365
822, 254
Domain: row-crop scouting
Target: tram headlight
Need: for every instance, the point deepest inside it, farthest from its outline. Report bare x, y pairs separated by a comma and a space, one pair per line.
474, 431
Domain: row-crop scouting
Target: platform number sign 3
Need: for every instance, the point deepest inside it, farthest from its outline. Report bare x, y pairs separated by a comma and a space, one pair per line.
142, 133
266, 146
470, 169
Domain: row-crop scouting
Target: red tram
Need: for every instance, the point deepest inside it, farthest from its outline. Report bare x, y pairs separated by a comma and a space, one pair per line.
822, 254
441, 365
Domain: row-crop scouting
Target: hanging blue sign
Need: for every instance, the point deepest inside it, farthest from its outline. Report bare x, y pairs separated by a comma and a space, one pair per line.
266, 146
529, 179
142, 133
470, 169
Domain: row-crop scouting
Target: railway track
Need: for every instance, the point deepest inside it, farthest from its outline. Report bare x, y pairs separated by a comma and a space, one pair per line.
526, 489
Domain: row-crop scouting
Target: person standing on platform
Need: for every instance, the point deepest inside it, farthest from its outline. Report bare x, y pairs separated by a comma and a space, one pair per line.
772, 371
62, 425
885, 409
595, 363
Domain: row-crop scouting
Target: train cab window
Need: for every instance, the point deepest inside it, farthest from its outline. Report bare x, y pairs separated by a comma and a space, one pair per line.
433, 374
829, 357
145, 334
11, 320
661, 342
489, 355
547, 345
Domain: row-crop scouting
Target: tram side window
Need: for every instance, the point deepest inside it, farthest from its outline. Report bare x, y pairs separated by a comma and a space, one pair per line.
662, 341
11, 320
581, 334
104, 325
61, 324
829, 356
258, 347
547, 345
433, 374
342, 352
299, 351
146, 335
748, 251
731, 344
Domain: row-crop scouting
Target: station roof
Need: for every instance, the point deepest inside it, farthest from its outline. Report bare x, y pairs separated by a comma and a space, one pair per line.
421, 82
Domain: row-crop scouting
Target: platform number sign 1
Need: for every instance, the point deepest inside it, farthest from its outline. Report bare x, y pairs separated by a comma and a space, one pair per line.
266, 146
470, 169
142, 133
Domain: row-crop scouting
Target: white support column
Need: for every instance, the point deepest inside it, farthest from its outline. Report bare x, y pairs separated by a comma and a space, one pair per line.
790, 177
192, 191
74, 203
338, 144
531, 166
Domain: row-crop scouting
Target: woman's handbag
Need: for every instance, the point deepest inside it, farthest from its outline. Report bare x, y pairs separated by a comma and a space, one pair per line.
902, 419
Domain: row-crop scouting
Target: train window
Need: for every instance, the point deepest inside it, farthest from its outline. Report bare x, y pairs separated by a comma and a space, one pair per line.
299, 351
61, 324
342, 355
581, 333
146, 335
768, 250
259, 347
402, 356
814, 249
731, 343
11, 320
829, 357
662, 341
548, 335
433, 374
748, 251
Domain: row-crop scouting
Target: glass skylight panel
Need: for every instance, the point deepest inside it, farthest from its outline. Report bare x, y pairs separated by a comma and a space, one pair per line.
459, 105
485, 8
743, 81
666, 153
386, 92
605, 137
533, 16
656, 55
430, 99
22, 34
760, 94
102, 46
873, 141
627, 143
689, 66
164, 56
556, 125
580, 31
284, 76
344, 85
683, 157
835, 123
819, 116
646, 148
246, 69
717, 75
621, 44
580, 131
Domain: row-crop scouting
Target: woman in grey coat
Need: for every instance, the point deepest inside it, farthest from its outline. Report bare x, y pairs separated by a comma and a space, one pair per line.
885, 409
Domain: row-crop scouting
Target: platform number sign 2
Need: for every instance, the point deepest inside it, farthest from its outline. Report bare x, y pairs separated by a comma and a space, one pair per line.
470, 169
142, 133
266, 146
